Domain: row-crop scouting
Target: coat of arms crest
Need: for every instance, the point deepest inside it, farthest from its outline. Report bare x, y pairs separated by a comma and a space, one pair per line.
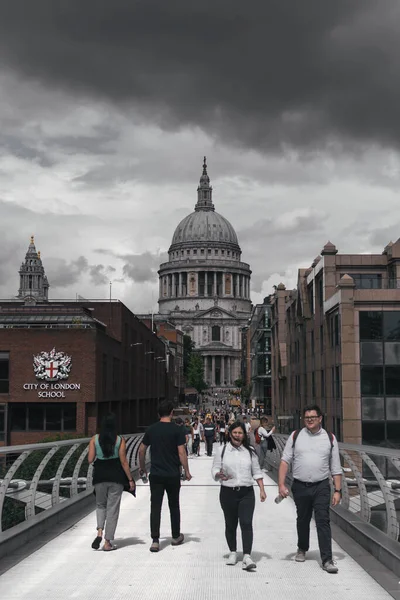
52, 366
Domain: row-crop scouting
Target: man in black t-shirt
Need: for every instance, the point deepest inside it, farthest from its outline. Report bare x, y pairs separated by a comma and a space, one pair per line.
167, 442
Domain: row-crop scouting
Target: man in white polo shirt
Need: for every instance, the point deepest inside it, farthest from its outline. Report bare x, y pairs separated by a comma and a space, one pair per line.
314, 456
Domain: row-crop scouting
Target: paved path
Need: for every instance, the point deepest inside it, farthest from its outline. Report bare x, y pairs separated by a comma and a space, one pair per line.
67, 568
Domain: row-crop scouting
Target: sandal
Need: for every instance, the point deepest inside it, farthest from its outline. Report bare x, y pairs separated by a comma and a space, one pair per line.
110, 549
96, 542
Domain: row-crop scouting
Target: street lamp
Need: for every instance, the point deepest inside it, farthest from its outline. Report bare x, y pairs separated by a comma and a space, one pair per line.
137, 344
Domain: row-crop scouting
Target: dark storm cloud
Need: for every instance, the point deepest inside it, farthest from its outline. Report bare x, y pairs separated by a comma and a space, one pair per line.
263, 73
142, 267
62, 273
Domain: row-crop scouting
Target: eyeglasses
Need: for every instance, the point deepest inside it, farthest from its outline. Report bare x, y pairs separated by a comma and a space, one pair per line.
311, 418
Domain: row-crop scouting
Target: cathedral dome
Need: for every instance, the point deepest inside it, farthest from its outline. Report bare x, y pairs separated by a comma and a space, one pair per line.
204, 226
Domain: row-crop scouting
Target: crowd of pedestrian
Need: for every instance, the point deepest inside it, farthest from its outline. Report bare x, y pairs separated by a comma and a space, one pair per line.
239, 450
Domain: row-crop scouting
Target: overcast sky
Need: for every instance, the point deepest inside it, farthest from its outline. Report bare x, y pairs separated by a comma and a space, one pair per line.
107, 108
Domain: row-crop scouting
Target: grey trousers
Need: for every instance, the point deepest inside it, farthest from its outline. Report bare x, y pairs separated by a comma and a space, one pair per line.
108, 500
263, 453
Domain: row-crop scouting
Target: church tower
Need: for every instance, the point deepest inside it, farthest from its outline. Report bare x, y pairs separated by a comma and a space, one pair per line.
33, 283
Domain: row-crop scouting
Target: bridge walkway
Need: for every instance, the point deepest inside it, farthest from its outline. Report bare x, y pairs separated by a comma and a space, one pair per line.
66, 568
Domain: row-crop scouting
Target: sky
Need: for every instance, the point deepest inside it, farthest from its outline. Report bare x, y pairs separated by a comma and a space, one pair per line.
107, 109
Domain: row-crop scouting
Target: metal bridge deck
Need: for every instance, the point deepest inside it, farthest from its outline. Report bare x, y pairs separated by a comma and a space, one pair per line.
67, 567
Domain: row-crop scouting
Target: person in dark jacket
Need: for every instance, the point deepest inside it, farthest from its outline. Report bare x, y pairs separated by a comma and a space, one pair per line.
209, 435
111, 472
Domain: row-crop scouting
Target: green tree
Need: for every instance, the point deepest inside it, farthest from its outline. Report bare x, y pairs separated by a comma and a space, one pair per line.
188, 346
195, 373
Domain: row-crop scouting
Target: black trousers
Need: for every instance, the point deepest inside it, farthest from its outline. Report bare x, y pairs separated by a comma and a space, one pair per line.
196, 444
317, 498
159, 485
238, 506
209, 445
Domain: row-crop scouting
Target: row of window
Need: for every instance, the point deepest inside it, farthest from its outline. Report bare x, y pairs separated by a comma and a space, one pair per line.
42, 417
379, 325
380, 381
381, 409
202, 252
381, 433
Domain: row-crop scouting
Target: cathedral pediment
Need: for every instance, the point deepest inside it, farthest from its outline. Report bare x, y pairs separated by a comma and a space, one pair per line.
216, 312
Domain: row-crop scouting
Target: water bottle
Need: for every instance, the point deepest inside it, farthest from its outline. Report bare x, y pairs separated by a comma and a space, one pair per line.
143, 477
279, 499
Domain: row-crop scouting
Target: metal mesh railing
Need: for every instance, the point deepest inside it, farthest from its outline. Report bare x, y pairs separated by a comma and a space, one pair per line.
371, 483
39, 477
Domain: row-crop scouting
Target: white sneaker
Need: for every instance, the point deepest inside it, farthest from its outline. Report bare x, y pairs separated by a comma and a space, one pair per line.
248, 564
232, 559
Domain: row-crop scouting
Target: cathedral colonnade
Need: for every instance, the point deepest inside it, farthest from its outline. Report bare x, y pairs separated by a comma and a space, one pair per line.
221, 370
205, 284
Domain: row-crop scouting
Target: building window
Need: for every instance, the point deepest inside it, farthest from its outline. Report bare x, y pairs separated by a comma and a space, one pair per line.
373, 432
371, 325
372, 381
223, 252
311, 298
2, 422
216, 253
4, 372
194, 251
313, 390
209, 251
228, 252
188, 252
321, 339
338, 387
43, 416
368, 281
202, 251
312, 343
216, 333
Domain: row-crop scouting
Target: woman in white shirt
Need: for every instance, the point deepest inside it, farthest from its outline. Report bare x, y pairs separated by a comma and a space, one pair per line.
236, 467
264, 434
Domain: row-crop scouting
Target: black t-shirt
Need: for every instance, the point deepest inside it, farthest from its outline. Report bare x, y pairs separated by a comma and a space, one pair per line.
209, 430
164, 439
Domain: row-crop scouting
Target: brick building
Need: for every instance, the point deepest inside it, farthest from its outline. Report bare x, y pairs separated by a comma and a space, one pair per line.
336, 342
105, 359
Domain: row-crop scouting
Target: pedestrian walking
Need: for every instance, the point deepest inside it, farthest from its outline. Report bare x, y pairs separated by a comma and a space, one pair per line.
236, 467
265, 435
110, 474
314, 456
222, 431
168, 452
196, 438
209, 435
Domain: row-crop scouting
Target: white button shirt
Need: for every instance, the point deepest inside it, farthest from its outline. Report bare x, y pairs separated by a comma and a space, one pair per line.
242, 468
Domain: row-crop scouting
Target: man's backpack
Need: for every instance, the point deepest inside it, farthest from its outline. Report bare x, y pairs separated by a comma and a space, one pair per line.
257, 436
330, 436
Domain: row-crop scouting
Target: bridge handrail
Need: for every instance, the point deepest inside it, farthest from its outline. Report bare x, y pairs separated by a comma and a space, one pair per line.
49, 476
371, 483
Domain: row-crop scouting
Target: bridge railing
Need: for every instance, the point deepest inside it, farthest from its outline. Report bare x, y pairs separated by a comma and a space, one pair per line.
39, 480
371, 483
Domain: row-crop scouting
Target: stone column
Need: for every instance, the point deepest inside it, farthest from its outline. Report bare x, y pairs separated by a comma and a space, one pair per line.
215, 283
229, 378
222, 370
180, 285
213, 370
223, 283
205, 367
206, 283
